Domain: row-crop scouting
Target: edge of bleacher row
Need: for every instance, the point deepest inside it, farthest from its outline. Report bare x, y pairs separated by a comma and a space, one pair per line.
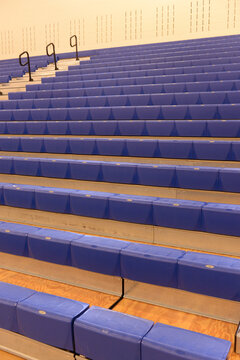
89, 331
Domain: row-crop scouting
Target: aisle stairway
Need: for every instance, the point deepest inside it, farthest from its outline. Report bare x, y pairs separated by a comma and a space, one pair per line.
138, 144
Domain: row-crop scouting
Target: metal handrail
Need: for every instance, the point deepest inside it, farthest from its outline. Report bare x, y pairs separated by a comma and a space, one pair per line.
74, 45
53, 53
27, 63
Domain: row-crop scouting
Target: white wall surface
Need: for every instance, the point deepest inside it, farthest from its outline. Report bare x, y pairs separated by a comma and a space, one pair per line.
31, 24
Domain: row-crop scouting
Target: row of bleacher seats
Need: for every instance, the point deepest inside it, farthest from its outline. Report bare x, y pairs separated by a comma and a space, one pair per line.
171, 213
154, 128
184, 177
99, 333
220, 97
217, 150
161, 112
200, 273
52, 90
88, 67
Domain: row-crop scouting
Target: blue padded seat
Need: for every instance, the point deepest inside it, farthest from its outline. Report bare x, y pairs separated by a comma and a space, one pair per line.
229, 179
48, 319
131, 208
106, 128
13, 238
57, 103
51, 245
56, 145
52, 199
4, 126
117, 100
34, 115
142, 147
90, 203
211, 275
196, 86
151, 89
186, 98
56, 115
201, 178
123, 173
168, 342
123, 113
26, 166
156, 175
78, 114
212, 97
179, 214
9, 143
12, 127
54, 168
139, 100
85, 170
107, 91
82, 146
202, 112
234, 97
235, 151
212, 150
176, 149
6, 165
226, 85
75, 102
36, 127
10, 296
32, 144
229, 111
19, 196
174, 87
160, 127
221, 219
191, 128
97, 254
148, 112
80, 127
38, 104
151, 264
162, 99
174, 112
57, 127
223, 128
112, 333
113, 147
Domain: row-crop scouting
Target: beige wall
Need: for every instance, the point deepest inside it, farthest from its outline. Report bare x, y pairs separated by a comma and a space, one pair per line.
103, 23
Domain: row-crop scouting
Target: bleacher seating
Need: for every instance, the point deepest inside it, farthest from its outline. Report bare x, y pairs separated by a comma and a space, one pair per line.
172, 102
53, 320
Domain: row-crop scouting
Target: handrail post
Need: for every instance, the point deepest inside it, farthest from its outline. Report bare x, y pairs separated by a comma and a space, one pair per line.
27, 63
74, 45
53, 53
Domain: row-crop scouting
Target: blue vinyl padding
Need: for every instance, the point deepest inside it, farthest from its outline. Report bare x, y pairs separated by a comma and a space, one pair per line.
209, 275
51, 245
112, 333
139, 262
188, 177
10, 296
14, 238
175, 149
160, 112
98, 254
151, 264
48, 319
172, 343
186, 128
221, 219
180, 214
